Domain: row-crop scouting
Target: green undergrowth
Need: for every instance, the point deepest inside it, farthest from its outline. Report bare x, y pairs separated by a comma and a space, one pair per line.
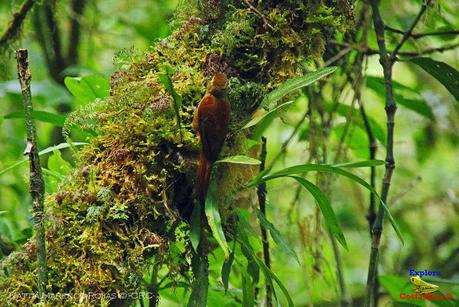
127, 203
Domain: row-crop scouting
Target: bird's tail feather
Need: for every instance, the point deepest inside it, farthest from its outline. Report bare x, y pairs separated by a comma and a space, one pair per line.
203, 180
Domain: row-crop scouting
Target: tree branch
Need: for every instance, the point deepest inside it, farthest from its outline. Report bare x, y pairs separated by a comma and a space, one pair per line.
408, 32
421, 35
37, 185
75, 27
15, 24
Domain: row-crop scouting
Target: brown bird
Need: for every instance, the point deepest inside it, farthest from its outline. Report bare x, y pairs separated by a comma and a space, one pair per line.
211, 119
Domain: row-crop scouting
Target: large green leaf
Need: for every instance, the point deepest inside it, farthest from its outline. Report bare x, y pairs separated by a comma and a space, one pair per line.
304, 168
325, 207
295, 84
44, 151
57, 164
396, 285
214, 220
239, 159
277, 237
47, 117
87, 89
447, 75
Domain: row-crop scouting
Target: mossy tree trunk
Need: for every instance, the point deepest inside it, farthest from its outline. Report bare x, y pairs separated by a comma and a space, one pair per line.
131, 194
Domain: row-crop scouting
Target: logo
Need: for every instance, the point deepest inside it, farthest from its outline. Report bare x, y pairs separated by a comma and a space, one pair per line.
422, 286
424, 290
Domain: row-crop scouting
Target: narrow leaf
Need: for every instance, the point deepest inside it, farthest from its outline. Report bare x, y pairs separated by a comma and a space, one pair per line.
47, 117
214, 220
368, 163
296, 84
239, 159
277, 237
226, 269
166, 81
325, 207
255, 120
445, 74
44, 151
304, 168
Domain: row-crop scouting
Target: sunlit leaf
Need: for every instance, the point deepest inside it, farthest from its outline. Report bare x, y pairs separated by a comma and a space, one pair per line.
87, 89
295, 84
367, 163
47, 117
57, 164
239, 159
445, 74
258, 118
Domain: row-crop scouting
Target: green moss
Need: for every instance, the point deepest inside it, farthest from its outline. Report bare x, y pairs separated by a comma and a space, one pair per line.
133, 183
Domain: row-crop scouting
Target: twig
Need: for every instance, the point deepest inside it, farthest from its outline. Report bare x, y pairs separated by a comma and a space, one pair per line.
256, 11
261, 192
338, 56
37, 185
15, 24
421, 35
408, 32
428, 50
370, 51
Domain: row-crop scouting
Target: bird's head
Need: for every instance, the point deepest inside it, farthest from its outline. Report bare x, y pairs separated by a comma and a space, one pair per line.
218, 85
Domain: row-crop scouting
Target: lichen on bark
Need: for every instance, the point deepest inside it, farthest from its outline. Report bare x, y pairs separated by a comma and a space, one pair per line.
126, 205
